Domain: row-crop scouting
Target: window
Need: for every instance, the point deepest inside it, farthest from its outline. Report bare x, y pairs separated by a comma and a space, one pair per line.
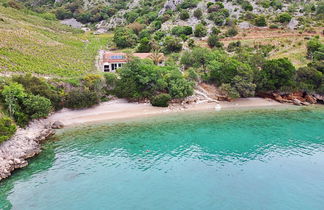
119, 65
106, 68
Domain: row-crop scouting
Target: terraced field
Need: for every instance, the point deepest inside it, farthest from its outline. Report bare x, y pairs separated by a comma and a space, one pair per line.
29, 43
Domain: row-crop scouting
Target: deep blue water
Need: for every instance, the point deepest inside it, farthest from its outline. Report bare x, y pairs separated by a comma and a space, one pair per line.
225, 160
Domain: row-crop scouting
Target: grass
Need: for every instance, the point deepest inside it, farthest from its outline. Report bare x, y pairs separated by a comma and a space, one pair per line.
30, 43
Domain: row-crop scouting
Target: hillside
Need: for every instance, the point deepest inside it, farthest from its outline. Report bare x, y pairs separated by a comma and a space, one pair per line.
30, 43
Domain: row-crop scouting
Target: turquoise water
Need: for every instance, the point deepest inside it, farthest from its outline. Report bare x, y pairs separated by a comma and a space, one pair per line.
242, 160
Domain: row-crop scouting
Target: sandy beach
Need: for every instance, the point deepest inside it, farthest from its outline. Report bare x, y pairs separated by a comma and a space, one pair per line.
121, 109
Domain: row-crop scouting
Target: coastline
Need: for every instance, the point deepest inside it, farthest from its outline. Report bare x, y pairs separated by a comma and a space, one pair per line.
26, 142
120, 109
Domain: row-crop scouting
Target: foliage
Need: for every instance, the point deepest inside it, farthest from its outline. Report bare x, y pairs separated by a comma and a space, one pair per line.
39, 86
276, 74
179, 30
161, 100
213, 41
37, 106
284, 17
260, 21
144, 45
172, 44
198, 13
124, 37
7, 128
142, 79
22, 106
184, 15
231, 32
315, 48
200, 30
309, 79
81, 98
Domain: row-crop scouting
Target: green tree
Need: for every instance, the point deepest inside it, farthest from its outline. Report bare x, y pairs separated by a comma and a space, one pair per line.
172, 44
309, 79
144, 46
7, 128
124, 37
13, 94
37, 106
276, 74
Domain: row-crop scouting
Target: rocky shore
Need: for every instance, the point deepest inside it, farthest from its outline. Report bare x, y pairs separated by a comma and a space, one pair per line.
297, 98
25, 144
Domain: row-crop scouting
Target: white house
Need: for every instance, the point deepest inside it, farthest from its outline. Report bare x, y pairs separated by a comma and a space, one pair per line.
112, 61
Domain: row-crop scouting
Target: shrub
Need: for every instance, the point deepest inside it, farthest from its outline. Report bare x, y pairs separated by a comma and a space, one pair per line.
7, 128
144, 45
200, 30
172, 44
124, 37
39, 86
81, 98
213, 41
184, 15
179, 30
161, 100
37, 106
284, 17
62, 13
276, 74
260, 21
231, 32
309, 79
198, 13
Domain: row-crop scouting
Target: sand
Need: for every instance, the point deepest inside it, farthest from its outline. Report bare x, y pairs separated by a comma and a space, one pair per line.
121, 109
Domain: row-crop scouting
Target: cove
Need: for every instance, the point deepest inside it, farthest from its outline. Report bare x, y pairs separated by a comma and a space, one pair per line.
257, 159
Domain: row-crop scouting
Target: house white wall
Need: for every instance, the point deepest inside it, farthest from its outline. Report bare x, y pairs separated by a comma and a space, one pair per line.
111, 67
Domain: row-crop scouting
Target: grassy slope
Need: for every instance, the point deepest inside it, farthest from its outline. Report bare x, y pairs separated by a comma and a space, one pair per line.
30, 43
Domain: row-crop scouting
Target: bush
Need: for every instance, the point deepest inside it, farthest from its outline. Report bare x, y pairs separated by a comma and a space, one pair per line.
200, 30
231, 32
81, 98
161, 100
39, 86
124, 37
276, 74
37, 106
198, 13
172, 44
184, 15
7, 128
213, 41
62, 13
284, 17
260, 21
179, 30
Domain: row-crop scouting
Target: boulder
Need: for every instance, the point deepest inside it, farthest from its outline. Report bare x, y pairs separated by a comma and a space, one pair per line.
57, 125
296, 102
310, 99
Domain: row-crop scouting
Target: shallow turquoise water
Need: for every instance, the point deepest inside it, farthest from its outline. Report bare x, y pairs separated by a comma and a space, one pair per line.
243, 160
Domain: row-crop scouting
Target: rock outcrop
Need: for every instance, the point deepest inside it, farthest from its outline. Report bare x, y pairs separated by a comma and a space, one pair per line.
297, 98
25, 144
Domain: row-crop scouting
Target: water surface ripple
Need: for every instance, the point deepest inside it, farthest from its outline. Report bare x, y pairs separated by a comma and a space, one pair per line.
242, 160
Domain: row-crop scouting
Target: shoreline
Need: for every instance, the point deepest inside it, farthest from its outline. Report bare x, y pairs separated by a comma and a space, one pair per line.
26, 143
120, 109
